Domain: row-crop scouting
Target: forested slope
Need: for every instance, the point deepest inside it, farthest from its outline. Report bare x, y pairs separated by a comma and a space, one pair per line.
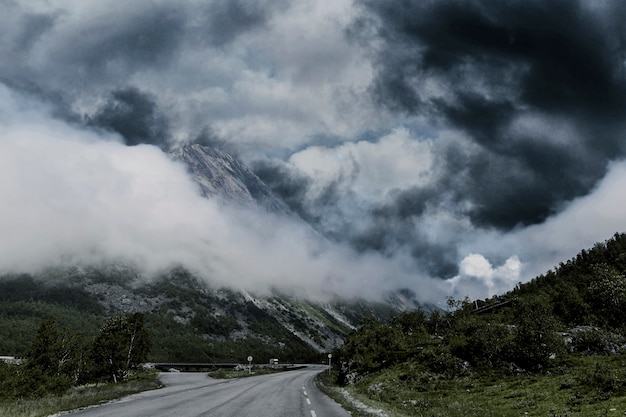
188, 320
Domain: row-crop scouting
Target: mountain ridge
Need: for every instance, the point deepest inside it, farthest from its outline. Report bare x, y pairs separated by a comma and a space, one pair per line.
219, 174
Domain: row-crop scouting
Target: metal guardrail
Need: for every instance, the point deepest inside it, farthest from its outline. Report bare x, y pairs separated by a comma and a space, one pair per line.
190, 366
490, 307
205, 366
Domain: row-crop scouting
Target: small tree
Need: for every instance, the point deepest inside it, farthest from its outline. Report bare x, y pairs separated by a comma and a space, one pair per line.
608, 295
43, 354
122, 345
54, 357
374, 346
535, 338
480, 342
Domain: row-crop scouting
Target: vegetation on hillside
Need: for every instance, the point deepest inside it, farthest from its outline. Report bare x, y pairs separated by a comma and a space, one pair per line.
553, 345
79, 397
188, 322
73, 327
61, 357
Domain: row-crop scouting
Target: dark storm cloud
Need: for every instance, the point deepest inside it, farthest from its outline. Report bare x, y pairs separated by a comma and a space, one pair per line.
519, 183
135, 116
566, 60
97, 46
32, 27
290, 186
484, 66
225, 20
59, 106
393, 227
383, 229
409, 203
135, 40
438, 139
208, 137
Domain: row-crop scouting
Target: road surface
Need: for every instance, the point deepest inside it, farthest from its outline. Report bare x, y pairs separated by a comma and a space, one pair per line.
190, 394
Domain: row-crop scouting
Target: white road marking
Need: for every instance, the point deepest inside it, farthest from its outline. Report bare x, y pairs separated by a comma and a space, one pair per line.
308, 401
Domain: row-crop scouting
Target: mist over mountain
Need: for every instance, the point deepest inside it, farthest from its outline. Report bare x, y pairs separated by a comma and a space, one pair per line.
447, 148
192, 311
78, 196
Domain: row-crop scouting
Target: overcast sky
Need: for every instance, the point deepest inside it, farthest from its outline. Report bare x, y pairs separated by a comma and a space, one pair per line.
448, 147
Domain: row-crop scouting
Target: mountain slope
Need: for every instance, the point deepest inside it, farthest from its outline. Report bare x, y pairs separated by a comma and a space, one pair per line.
553, 346
220, 175
188, 320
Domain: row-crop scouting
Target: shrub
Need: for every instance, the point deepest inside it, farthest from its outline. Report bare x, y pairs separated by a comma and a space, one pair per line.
604, 378
442, 362
594, 341
535, 337
481, 343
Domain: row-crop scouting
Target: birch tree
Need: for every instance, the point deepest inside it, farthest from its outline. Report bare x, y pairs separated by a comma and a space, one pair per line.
121, 346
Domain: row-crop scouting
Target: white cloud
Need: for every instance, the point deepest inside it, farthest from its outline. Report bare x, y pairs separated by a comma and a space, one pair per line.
372, 170
534, 250
295, 76
270, 91
479, 279
69, 194
475, 265
585, 221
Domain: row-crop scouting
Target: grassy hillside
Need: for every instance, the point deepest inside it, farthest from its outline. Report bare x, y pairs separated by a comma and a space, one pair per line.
554, 346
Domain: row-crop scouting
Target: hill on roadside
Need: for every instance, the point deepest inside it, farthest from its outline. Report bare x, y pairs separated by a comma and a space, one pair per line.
552, 346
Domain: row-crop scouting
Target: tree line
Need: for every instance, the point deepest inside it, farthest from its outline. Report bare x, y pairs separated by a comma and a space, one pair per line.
61, 357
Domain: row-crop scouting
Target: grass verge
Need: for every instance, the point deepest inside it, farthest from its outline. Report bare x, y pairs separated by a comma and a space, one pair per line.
80, 397
586, 386
357, 405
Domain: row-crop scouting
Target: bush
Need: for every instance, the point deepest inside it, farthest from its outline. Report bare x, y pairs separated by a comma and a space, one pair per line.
535, 339
595, 341
604, 378
482, 343
443, 363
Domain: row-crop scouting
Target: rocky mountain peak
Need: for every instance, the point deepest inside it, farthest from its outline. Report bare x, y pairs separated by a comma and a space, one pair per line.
221, 175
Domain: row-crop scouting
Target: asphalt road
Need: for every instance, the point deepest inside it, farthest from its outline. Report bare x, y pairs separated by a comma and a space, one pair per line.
189, 394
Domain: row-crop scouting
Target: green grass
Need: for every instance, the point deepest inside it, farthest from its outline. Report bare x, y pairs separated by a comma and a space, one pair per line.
312, 311
584, 386
79, 397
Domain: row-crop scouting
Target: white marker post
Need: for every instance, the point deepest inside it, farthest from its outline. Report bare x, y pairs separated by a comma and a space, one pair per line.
329, 356
249, 364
